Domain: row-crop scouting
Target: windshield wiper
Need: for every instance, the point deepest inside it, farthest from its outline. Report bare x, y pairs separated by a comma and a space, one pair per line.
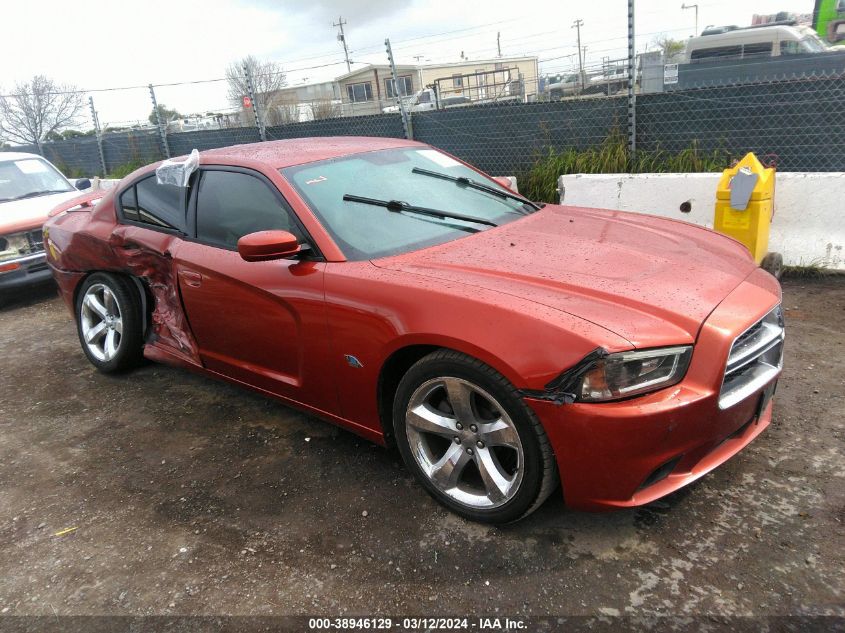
474, 184
34, 194
397, 206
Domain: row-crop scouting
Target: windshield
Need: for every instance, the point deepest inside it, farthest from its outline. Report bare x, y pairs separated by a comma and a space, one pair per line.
28, 178
813, 44
366, 231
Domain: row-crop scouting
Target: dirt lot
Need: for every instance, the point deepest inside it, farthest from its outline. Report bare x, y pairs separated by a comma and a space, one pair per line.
189, 496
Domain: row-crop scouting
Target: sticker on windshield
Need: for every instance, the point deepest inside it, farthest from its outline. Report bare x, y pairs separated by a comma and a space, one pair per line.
437, 157
314, 181
31, 166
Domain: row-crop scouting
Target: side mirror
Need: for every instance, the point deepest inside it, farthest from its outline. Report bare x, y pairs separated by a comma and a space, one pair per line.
83, 183
266, 245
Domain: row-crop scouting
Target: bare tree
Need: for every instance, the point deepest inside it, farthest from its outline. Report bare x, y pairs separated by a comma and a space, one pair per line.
324, 109
39, 108
279, 112
267, 78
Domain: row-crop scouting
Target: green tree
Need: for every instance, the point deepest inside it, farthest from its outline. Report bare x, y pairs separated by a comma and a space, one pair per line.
671, 48
165, 113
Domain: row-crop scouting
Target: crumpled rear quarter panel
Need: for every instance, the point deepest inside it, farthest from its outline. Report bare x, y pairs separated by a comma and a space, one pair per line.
82, 242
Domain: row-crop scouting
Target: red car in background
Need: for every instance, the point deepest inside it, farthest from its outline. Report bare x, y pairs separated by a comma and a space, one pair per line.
503, 346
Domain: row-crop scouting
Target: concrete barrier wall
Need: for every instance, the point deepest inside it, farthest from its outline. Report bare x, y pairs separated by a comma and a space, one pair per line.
808, 227
809, 222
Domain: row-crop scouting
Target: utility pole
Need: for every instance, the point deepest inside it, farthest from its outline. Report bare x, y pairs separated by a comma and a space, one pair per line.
692, 6
162, 130
499, 42
256, 108
406, 121
632, 77
342, 39
98, 133
577, 25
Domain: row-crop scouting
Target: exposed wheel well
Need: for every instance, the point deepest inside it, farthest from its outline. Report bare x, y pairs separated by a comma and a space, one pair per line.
392, 371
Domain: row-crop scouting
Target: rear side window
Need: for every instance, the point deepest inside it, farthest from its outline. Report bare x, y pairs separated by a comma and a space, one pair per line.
231, 205
761, 49
158, 205
718, 52
129, 204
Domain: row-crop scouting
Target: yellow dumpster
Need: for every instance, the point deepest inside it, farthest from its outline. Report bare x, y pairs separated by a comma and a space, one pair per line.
745, 207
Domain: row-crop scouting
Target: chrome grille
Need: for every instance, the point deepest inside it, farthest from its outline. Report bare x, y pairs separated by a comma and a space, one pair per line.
755, 359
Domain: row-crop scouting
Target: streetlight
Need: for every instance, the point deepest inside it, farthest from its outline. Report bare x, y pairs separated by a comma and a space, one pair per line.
692, 6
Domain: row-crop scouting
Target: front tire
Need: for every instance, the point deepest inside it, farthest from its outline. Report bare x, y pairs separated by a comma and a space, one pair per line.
108, 321
470, 440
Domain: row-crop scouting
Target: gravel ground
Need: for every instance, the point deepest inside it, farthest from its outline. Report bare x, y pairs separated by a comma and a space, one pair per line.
188, 496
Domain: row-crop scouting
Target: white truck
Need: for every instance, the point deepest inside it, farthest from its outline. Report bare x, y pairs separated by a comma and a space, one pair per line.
426, 99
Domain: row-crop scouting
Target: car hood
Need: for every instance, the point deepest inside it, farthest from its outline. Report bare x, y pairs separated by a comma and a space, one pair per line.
650, 280
30, 213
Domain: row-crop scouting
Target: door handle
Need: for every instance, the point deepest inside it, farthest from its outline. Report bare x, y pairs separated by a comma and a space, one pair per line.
191, 278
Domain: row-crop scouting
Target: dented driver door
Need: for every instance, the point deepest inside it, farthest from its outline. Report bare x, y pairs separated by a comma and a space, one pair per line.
259, 323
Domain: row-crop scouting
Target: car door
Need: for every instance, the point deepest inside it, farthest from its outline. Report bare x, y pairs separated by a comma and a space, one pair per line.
259, 323
152, 226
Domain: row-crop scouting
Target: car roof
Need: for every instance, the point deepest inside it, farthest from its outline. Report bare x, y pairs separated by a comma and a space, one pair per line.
296, 151
759, 33
8, 156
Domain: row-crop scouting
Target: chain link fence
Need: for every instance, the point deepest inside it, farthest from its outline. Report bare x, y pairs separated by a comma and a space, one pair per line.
789, 109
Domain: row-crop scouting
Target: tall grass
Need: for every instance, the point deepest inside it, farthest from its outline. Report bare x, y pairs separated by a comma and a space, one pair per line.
126, 168
613, 157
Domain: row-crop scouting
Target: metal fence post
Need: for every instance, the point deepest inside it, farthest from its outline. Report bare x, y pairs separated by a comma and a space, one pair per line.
98, 134
161, 129
406, 120
632, 78
256, 109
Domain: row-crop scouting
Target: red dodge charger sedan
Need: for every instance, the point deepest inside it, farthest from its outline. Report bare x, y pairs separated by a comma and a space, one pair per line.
502, 346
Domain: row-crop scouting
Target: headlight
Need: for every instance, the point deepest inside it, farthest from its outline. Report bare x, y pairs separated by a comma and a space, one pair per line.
626, 374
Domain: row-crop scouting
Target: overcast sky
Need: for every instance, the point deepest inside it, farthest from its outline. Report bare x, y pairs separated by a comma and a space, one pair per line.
100, 44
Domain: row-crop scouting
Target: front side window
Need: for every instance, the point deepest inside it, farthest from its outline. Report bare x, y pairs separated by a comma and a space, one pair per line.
161, 206
360, 92
30, 178
233, 204
364, 231
791, 48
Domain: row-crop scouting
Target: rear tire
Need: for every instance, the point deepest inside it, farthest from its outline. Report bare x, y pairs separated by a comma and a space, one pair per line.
465, 433
108, 322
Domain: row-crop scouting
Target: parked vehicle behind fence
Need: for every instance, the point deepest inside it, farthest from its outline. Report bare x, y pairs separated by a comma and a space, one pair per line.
756, 42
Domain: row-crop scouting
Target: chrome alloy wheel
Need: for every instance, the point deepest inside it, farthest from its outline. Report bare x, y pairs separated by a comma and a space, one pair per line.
465, 442
101, 321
